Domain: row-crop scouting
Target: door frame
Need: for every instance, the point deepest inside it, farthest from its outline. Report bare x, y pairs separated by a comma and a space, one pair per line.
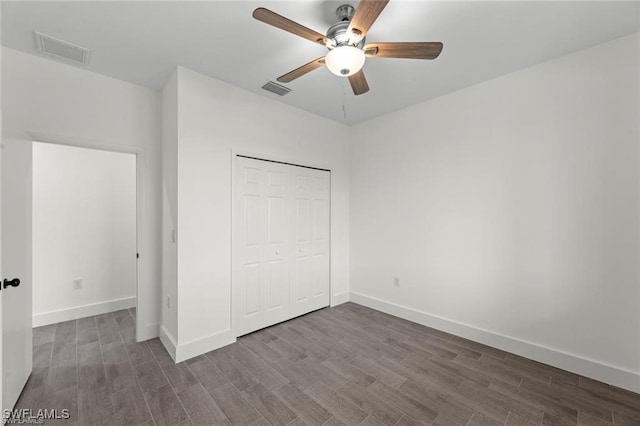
140, 169
260, 156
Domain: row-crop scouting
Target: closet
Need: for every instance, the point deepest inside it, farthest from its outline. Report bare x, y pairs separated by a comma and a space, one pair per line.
281, 242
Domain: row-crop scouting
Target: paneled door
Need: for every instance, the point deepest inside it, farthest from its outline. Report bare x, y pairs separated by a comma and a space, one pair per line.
261, 281
280, 243
310, 274
15, 183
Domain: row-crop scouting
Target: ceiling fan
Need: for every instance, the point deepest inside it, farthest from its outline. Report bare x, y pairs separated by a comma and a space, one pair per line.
346, 43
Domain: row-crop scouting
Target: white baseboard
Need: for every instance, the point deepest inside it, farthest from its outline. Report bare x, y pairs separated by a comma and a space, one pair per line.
339, 299
612, 375
83, 311
198, 347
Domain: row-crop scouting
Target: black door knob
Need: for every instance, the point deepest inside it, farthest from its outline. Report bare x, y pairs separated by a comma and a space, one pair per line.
13, 283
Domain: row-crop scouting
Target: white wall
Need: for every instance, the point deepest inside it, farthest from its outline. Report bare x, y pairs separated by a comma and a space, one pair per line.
50, 101
170, 210
84, 227
215, 118
509, 211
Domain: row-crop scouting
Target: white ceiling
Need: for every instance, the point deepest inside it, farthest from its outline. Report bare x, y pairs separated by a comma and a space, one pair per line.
143, 42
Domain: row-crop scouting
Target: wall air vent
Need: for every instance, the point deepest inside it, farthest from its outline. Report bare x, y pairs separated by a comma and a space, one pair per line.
276, 88
62, 49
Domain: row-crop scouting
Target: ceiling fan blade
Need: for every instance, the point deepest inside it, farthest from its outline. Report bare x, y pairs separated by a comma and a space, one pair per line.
278, 21
366, 14
359, 83
300, 71
410, 50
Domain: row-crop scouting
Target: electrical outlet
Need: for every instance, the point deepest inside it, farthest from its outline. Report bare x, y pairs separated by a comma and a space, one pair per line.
77, 284
396, 282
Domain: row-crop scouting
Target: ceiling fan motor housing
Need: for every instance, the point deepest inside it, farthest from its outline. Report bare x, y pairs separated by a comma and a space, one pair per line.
338, 32
339, 35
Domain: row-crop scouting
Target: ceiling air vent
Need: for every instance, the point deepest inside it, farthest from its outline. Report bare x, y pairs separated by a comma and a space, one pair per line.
276, 88
61, 49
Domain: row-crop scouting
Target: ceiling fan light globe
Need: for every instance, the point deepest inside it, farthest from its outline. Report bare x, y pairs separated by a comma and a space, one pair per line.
345, 61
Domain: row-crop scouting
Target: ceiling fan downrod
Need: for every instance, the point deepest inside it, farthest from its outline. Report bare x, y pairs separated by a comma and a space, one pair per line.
345, 12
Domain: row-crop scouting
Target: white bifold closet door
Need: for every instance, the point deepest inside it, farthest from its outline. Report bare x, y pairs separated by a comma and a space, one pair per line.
281, 266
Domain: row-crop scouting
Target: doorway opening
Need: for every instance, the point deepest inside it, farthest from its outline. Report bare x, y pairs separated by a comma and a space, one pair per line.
84, 235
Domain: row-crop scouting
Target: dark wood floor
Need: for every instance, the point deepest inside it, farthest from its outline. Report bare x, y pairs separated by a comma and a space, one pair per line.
344, 365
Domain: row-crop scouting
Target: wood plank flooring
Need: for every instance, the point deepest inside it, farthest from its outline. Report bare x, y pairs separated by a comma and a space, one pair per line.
344, 365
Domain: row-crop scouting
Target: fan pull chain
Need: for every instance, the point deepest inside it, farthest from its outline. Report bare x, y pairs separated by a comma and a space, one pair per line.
344, 98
